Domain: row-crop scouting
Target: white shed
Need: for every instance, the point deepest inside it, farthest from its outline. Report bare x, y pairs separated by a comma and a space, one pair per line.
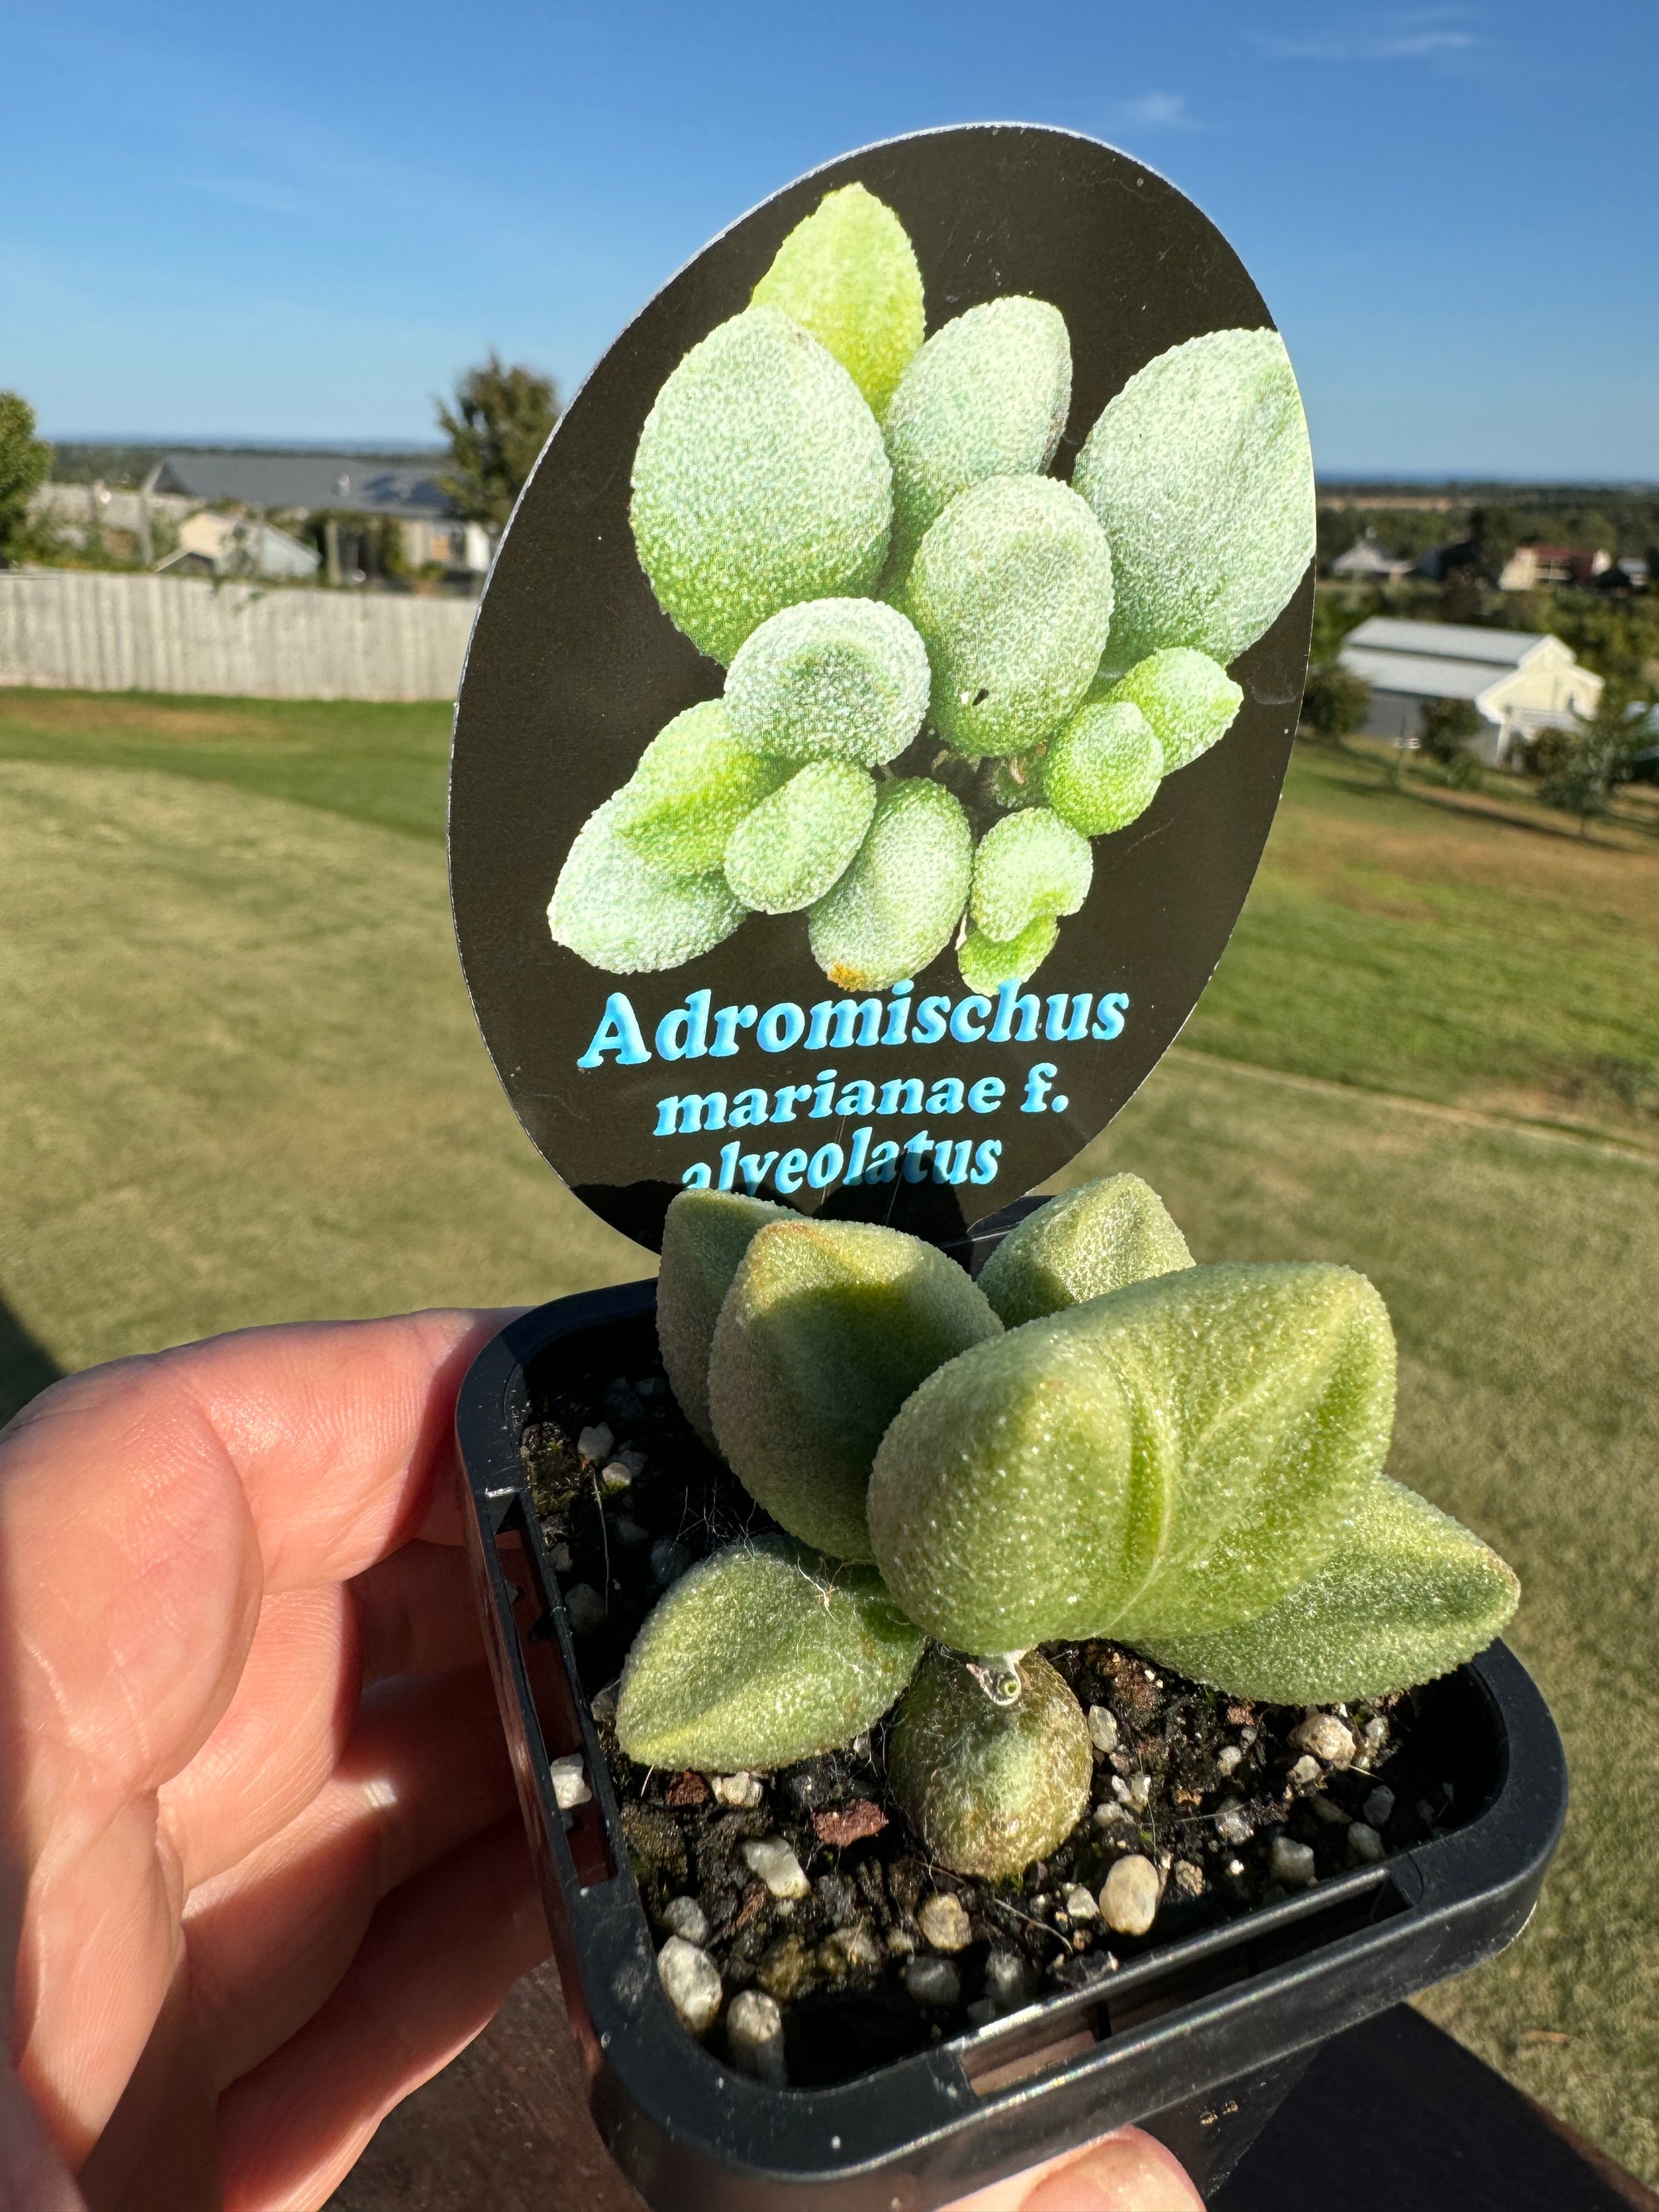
1518, 681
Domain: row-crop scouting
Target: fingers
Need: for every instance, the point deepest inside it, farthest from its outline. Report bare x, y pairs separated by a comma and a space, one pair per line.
426, 1770
278, 1741
441, 1954
1128, 2171
417, 1612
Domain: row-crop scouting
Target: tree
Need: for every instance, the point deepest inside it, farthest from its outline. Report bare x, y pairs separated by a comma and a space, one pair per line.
498, 424
25, 461
1446, 726
1335, 704
1581, 767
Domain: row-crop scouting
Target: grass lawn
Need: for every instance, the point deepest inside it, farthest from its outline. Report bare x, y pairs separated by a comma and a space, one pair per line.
242, 1082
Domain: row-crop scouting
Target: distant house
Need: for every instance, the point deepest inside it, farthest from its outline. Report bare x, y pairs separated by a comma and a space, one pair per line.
1367, 562
1534, 568
1519, 682
212, 545
304, 484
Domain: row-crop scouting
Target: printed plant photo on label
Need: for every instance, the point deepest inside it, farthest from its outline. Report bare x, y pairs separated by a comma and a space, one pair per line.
951, 678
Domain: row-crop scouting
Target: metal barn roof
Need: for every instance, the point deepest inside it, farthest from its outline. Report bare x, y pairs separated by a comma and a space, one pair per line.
317, 482
1498, 648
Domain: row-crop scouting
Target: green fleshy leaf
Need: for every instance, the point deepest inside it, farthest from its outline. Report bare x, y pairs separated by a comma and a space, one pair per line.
705, 1234
985, 964
896, 905
987, 396
989, 1788
1011, 590
834, 679
848, 275
765, 1654
1168, 1459
694, 784
761, 479
619, 914
1189, 700
828, 1328
1201, 475
1082, 1245
1408, 1594
799, 842
1029, 866
1103, 769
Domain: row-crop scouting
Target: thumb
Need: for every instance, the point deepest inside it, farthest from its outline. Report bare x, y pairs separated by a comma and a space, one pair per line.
1129, 2172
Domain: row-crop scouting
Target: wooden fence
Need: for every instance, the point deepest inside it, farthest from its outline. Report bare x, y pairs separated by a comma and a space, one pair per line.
82, 631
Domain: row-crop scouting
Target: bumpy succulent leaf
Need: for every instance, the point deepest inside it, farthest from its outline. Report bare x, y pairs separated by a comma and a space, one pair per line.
1201, 472
760, 479
989, 1788
617, 914
899, 903
848, 275
828, 1328
1029, 866
1170, 1459
1407, 1594
1103, 769
694, 784
1011, 590
984, 963
840, 679
1189, 700
794, 845
762, 1655
1080, 1246
705, 1234
987, 396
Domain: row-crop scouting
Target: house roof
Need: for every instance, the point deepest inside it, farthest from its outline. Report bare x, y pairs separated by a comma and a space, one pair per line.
1499, 649
314, 482
1422, 675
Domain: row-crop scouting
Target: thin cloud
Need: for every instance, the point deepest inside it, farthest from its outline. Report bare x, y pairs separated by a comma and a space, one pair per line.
1157, 111
1422, 34
262, 194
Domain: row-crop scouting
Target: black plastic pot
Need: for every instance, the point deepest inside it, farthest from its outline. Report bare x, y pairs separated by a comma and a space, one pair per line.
1197, 2043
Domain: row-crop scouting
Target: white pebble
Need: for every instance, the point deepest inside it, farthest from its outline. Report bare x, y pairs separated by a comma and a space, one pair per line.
1103, 1729
777, 1866
559, 1559
692, 1981
740, 1789
1106, 1815
1292, 1863
933, 1982
1327, 1810
1365, 1844
754, 2036
1376, 1733
614, 1475
683, 1916
1008, 1980
630, 1532
584, 1609
1119, 1789
1306, 1770
569, 1781
981, 2013
1188, 1878
1228, 1759
1233, 1823
605, 1706
1141, 1791
1326, 1737
669, 1560
1128, 1897
1235, 1867
633, 1461
1081, 1903
594, 1444
1378, 1808
943, 1921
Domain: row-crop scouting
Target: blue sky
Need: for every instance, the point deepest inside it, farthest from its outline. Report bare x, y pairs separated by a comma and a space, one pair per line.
301, 222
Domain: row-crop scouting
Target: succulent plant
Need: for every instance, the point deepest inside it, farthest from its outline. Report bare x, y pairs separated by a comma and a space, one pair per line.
848, 275
828, 1328
760, 480
1201, 476
989, 1786
897, 904
987, 395
813, 452
1185, 1458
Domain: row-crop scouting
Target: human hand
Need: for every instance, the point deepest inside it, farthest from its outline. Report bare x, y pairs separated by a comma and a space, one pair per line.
265, 1873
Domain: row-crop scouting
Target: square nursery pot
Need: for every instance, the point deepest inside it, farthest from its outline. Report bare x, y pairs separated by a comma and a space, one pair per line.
1197, 2041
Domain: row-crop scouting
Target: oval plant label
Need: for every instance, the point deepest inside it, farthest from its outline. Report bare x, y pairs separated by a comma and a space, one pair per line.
881, 696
